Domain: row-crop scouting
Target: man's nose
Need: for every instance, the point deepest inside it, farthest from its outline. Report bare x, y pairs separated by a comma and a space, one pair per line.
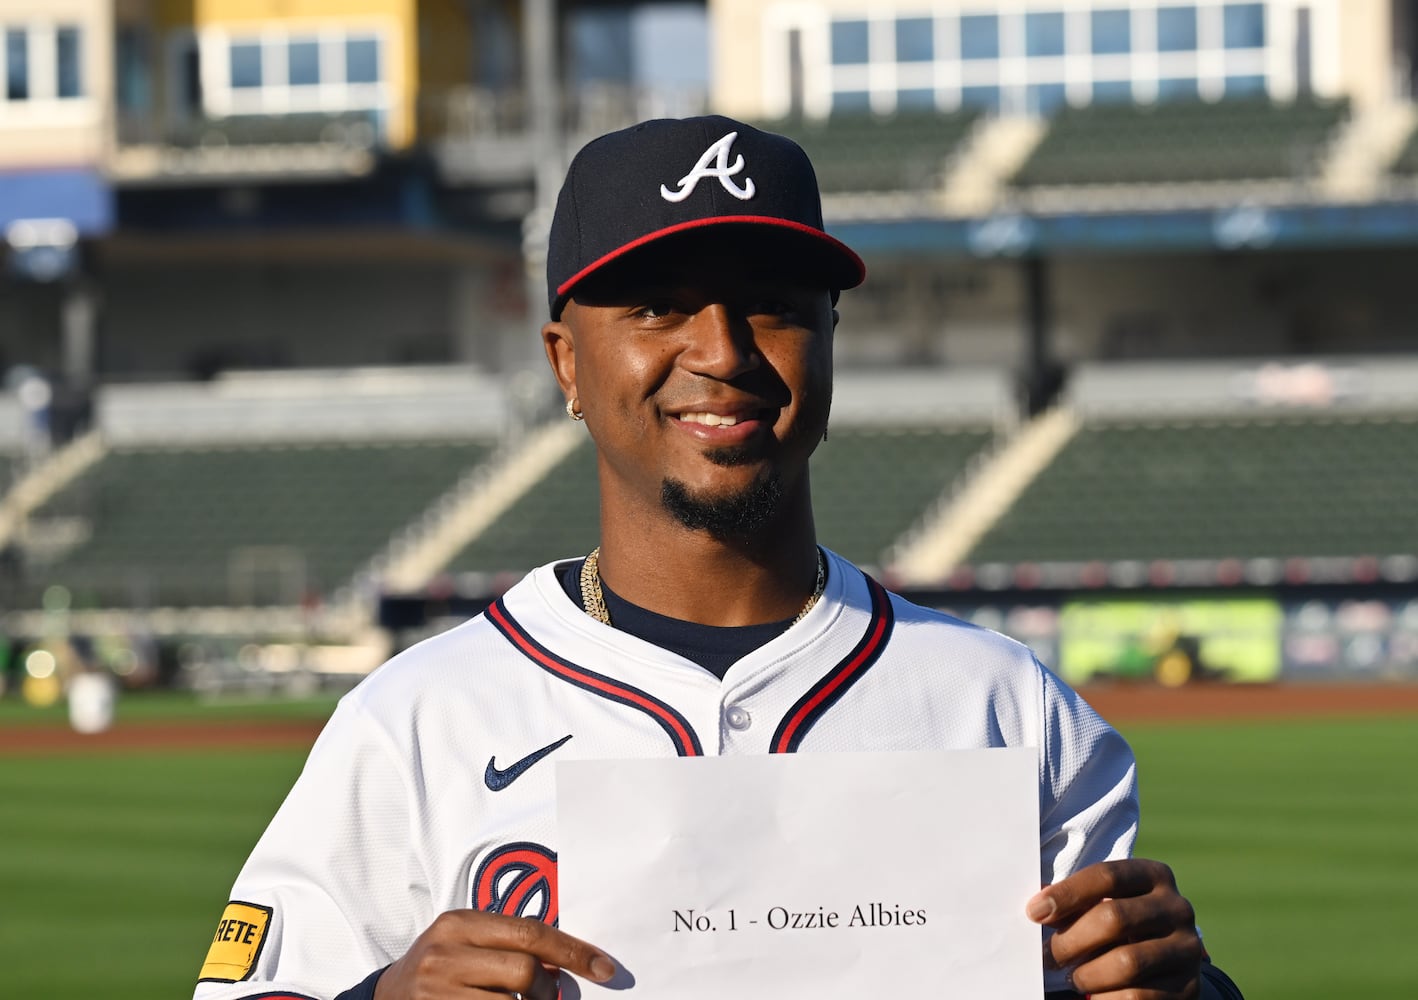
722, 344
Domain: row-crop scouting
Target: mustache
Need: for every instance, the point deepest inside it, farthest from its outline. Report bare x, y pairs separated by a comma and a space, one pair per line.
734, 455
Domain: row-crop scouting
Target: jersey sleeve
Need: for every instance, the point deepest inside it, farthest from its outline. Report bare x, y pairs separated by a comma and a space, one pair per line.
332, 890
1087, 790
1088, 785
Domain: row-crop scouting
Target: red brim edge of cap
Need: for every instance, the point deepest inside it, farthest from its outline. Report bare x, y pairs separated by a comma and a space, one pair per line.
847, 254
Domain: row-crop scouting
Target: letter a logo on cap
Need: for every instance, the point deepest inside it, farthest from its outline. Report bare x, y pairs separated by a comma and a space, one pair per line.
719, 153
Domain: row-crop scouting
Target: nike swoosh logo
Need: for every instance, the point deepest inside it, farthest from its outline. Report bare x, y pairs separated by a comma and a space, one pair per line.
497, 780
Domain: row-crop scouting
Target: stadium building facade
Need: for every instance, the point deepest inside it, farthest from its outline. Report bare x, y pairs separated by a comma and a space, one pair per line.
1136, 351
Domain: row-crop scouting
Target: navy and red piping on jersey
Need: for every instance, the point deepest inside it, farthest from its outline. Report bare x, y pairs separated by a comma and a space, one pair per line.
822, 695
676, 726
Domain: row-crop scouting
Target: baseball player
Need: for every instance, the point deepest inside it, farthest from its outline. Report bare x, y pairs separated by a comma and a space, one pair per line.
692, 291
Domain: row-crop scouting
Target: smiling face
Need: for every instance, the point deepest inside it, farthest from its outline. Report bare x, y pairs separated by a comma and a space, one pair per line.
704, 369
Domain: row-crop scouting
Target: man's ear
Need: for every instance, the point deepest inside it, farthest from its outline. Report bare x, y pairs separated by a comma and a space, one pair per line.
560, 346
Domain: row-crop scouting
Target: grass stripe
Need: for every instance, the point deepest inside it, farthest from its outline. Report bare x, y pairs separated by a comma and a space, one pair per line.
1294, 840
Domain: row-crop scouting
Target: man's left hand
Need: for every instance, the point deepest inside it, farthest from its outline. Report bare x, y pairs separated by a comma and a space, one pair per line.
1123, 931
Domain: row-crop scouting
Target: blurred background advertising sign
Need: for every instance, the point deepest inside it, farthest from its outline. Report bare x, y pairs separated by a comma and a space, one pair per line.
1171, 642
44, 213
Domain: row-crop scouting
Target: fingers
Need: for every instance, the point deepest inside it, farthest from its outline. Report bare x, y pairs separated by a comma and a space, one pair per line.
509, 972
1089, 886
1157, 969
1115, 922
470, 954
550, 945
1123, 930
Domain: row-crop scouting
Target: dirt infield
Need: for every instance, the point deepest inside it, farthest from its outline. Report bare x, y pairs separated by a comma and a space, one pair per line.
1118, 703
1123, 703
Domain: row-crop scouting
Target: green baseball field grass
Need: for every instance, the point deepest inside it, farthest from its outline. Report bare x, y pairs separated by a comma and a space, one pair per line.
1294, 839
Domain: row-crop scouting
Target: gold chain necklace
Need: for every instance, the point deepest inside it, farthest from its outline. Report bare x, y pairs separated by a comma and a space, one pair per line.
594, 601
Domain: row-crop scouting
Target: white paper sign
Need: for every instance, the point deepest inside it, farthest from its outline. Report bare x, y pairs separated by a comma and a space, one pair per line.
804, 876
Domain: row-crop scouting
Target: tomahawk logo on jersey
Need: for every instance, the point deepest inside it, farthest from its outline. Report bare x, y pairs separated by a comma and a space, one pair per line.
352, 874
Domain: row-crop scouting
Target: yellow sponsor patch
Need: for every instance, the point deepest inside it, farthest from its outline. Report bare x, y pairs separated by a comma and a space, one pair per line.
237, 943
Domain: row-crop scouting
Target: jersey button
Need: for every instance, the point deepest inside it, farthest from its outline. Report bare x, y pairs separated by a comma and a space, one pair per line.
738, 718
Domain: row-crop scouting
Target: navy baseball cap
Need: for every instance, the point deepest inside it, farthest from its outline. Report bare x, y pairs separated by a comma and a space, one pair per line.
662, 178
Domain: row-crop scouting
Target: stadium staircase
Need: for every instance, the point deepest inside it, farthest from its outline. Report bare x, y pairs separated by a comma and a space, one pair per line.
556, 520
996, 150
488, 493
854, 515
882, 165
918, 431
41, 483
958, 523
1404, 164
1358, 164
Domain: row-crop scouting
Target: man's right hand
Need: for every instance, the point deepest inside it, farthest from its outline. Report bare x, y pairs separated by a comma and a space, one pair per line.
469, 953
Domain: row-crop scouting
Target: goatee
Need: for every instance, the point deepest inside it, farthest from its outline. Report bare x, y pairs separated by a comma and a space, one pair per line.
738, 515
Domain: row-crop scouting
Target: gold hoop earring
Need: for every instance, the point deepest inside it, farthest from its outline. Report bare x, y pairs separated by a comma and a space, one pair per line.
571, 410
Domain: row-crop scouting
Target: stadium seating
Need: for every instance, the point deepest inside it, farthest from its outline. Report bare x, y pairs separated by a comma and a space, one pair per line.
345, 129
558, 519
232, 524
871, 485
866, 153
1242, 487
1182, 141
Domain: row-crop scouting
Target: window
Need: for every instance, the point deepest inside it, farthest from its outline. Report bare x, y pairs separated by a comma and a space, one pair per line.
1045, 98
1039, 56
1243, 25
979, 36
1177, 89
851, 102
68, 65
17, 65
915, 99
915, 39
323, 71
1112, 91
132, 69
1112, 32
304, 66
362, 60
987, 98
245, 65
1245, 86
1176, 29
849, 43
1044, 34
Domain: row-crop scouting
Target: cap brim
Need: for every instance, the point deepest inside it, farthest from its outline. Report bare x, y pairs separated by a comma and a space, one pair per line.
829, 258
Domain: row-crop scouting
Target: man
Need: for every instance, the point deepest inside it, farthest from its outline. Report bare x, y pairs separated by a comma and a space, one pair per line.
692, 293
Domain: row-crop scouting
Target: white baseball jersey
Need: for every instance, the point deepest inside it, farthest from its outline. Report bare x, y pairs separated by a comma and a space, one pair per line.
427, 790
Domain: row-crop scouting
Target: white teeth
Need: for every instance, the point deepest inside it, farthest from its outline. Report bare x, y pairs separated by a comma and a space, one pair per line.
709, 419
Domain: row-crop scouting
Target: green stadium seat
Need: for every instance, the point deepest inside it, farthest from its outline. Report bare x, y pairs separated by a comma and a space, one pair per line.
1184, 141
556, 520
867, 153
855, 515
871, 485
1276, 488
183, 527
